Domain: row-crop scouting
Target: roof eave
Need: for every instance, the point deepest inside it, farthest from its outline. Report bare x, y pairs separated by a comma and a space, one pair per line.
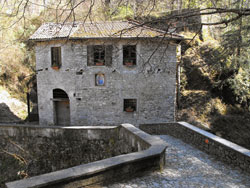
46, 39
104, 38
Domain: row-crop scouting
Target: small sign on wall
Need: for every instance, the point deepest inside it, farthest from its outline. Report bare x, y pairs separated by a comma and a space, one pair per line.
100, 79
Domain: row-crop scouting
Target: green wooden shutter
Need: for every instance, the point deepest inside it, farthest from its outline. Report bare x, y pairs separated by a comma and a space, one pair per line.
56, 59
59, 57
90, 54
52, 56
108, 55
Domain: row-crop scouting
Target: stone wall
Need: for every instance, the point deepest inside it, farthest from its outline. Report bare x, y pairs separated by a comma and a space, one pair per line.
139, 152
222, 149
29, 150
151, 82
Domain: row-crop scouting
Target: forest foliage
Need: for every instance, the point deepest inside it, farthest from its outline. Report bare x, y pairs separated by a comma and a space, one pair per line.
220, 52
20, 18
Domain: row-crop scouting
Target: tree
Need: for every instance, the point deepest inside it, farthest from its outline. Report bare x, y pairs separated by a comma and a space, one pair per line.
19, 18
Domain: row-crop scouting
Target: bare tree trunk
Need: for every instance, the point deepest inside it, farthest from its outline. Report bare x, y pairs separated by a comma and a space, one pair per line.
107, 4
107, 9
239, 32
179, 4
172, 4
137, 7
239, 38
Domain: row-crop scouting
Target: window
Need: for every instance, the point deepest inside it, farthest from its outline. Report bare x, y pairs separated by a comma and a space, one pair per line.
56, 57
99, 55
129, 105
100, 79
129, 55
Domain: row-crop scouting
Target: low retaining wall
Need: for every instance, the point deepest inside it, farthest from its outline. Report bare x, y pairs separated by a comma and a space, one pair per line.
148, 153
49, 149
222, 149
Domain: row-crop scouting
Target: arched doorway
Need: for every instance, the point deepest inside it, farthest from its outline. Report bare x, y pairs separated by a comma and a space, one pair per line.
61, 107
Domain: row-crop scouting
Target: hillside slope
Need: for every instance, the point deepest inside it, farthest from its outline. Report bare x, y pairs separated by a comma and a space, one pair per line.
202, 105
11, 109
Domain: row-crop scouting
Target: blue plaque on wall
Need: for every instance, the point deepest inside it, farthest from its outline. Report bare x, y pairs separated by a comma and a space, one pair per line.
100, 79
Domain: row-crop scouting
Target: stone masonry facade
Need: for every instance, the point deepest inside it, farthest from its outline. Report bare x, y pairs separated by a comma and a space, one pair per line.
151, 82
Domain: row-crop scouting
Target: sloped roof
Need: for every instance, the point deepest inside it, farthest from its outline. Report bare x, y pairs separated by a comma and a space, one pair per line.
87, 30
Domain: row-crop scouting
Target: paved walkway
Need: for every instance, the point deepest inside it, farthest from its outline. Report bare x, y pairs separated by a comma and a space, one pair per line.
188, 167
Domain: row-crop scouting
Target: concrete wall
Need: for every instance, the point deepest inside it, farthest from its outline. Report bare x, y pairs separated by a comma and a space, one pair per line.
222, 149
152, 84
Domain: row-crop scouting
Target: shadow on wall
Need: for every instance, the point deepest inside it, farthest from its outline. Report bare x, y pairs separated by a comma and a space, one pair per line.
6, 115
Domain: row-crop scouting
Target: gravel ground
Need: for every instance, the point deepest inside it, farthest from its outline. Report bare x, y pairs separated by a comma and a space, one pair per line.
187, 167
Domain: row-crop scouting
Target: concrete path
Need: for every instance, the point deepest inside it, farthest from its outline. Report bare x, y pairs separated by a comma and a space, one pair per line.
187, 167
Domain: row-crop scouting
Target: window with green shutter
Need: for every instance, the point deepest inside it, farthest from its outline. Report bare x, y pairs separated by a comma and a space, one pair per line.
56, 61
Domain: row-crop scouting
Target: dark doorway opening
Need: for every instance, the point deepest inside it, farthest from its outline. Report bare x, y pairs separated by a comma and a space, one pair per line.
61, 107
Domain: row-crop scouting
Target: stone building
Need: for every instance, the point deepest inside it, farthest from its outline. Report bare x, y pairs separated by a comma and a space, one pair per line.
105, 73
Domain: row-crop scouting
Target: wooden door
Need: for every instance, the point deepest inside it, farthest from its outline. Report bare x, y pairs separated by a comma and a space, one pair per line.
62, 109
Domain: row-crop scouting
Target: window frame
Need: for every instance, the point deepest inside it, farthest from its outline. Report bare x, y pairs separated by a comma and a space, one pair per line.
129, 59
106, 52
130, 105
99, 50
56, 59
